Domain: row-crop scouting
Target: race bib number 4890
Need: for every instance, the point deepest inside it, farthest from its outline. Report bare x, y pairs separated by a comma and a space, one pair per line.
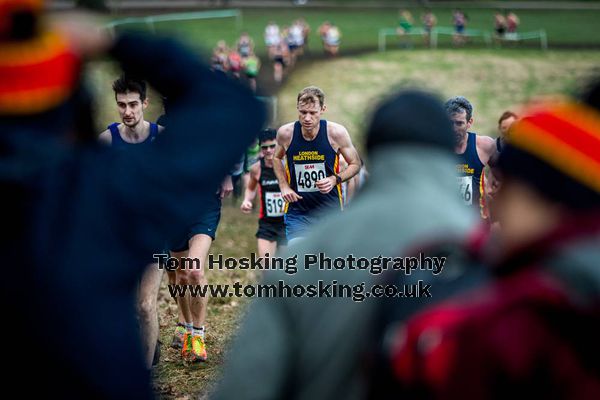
275, 204
307, 176
465, 186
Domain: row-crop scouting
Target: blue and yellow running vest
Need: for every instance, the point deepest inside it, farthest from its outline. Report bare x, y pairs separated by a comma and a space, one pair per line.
119, 143
469, 172
307, 163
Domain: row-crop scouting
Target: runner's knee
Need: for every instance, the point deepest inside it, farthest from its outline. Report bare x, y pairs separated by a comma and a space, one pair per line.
197, 276
147, 308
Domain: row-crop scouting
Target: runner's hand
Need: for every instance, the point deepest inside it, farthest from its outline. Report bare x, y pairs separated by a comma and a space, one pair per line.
326, 184
246, 206
289, 195
226, 187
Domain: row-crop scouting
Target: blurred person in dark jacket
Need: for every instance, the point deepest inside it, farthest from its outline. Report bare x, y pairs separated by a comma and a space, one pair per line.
314, 347
77, 233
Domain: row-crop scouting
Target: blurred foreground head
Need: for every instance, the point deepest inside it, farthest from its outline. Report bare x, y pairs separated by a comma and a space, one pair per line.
410, 117
556, 151
19, 18
550, 168
38, 69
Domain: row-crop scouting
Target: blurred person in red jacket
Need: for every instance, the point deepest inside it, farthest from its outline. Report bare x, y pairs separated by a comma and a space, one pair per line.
530, 327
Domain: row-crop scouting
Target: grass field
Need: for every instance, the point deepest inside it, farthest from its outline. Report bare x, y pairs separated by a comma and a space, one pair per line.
360, 27
492, 80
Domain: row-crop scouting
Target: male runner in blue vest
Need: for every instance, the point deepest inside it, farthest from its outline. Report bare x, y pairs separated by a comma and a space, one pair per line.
473, 151
310, 182
130, 95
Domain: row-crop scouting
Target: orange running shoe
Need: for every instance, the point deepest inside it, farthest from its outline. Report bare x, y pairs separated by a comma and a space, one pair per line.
186, 349
198, 349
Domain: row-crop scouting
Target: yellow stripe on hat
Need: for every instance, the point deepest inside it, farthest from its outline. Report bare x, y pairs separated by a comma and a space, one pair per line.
585, 117
34, 51
534, 139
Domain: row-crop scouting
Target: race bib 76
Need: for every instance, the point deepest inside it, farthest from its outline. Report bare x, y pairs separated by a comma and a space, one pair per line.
465, 186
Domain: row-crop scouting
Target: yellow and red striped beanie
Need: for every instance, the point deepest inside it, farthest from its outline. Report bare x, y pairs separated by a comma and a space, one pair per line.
556, 148
36, 73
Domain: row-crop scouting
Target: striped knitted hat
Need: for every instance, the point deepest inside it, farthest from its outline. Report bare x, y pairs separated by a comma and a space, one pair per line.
38, 70
556, 149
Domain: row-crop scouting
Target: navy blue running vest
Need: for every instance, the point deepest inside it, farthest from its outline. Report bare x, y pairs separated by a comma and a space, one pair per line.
308, 162
119, 143
469, 172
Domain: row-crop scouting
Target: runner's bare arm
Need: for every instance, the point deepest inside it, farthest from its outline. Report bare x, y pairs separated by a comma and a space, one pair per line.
105, 137
226, 187
284, 138
250, 192
486, 147
341, 138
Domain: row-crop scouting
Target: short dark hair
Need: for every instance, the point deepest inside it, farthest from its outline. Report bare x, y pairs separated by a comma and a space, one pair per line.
507, 115
459, 104
266, 135
127, 84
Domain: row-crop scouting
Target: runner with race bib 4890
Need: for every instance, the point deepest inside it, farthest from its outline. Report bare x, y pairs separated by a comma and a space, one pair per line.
310, 181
